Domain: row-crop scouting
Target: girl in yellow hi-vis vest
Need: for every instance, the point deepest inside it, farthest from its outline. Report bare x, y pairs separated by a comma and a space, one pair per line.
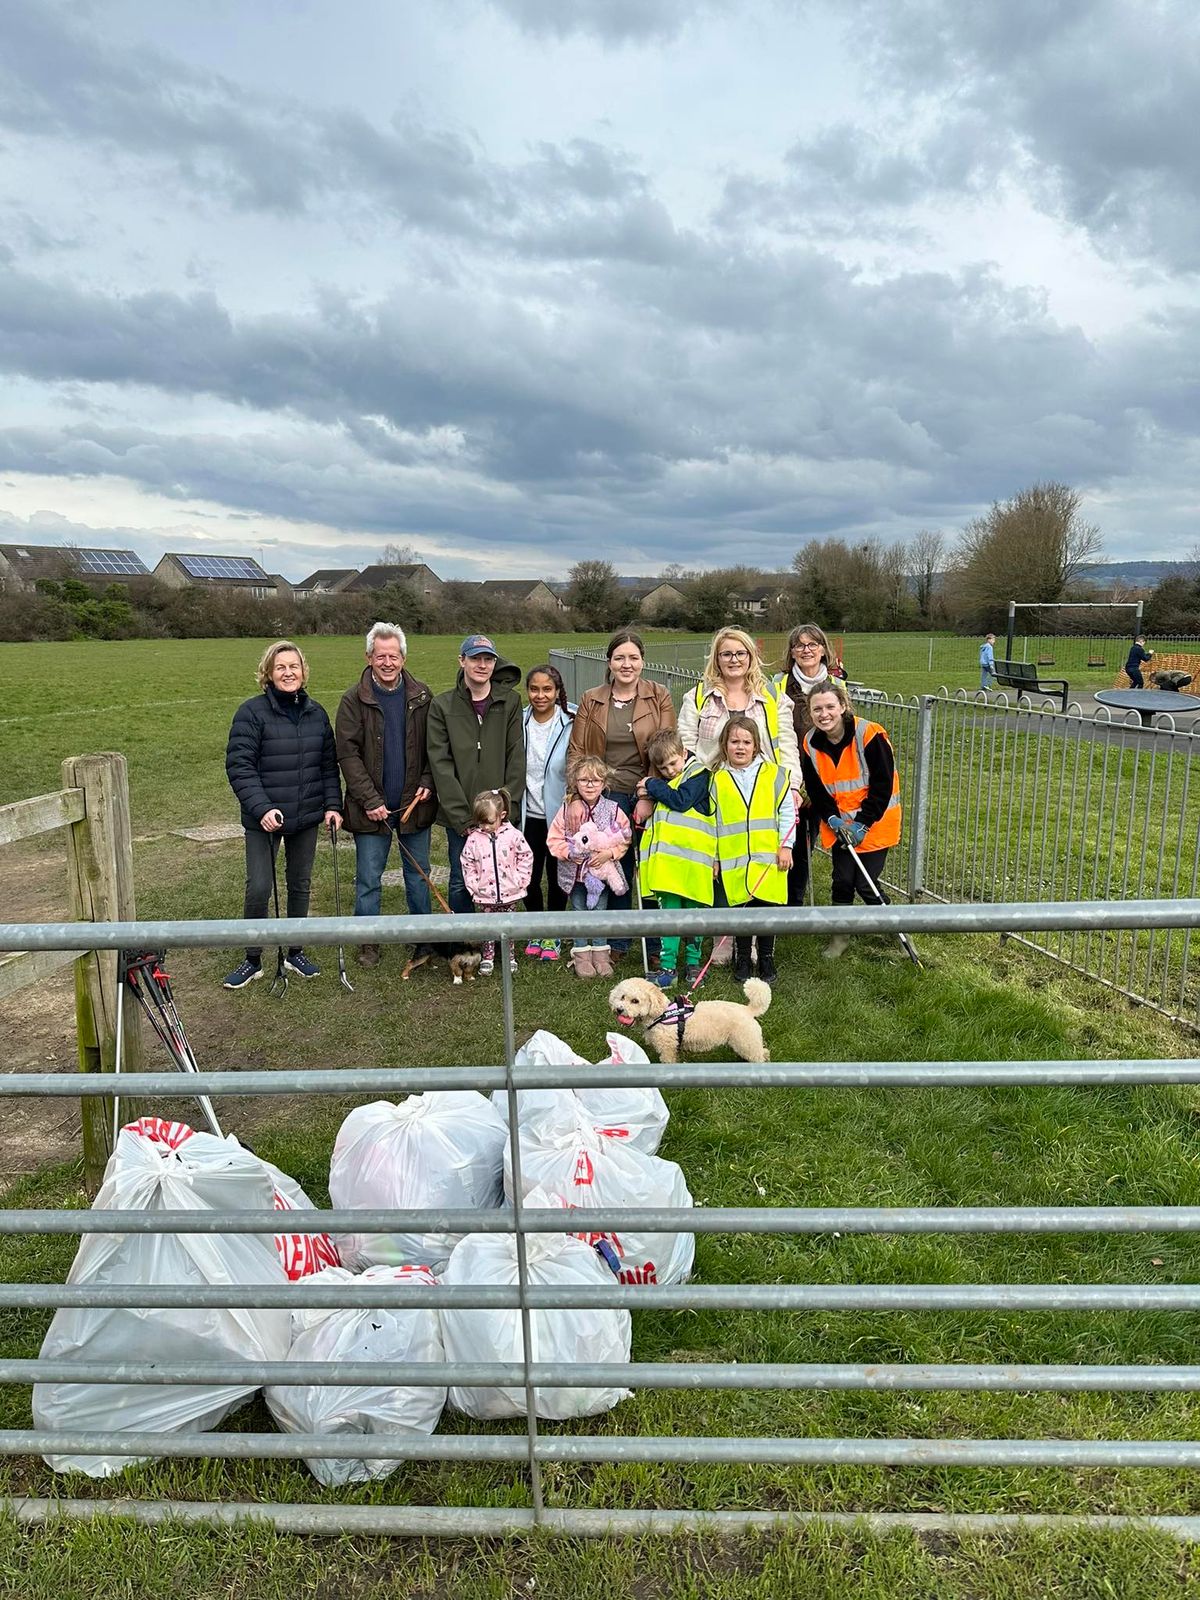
678, 847
755, 817
850, 779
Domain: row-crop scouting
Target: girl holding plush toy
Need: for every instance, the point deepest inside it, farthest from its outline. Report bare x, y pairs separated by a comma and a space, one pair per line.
497, 864
588, 836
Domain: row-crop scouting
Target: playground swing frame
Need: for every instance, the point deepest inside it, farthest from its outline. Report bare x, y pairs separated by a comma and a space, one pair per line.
1068, 605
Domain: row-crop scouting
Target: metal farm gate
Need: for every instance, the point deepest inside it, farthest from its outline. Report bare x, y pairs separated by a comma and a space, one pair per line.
535, 1449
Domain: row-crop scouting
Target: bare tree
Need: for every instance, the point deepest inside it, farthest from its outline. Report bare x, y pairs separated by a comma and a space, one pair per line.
400, 555
926, 559
1028, 548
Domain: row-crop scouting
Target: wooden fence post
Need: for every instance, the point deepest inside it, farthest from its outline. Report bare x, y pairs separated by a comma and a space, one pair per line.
100, 882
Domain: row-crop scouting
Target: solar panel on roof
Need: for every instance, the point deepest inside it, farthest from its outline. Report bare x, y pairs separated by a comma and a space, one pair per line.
104, 561
221, 567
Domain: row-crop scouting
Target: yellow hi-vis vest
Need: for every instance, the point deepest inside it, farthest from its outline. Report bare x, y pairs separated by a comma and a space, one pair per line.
678, 850
748, 836
848, 782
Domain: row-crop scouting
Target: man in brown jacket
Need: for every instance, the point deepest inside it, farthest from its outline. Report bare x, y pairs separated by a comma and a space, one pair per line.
380, 734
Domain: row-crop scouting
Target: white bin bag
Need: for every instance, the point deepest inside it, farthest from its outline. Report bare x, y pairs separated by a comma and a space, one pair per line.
202, 1173
639, 1116
441, 1150
554, 1259
360, 1335
566, 1155
302, 1254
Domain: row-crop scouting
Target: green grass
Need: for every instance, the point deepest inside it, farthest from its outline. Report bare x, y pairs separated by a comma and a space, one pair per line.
975, 1000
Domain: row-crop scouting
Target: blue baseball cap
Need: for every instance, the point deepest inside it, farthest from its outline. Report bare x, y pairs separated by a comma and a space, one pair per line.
478, 644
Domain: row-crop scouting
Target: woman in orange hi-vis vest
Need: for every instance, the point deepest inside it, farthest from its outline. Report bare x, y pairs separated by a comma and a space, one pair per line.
850, 778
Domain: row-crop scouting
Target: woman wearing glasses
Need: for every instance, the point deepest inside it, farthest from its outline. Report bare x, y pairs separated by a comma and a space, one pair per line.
807, 661
734, 681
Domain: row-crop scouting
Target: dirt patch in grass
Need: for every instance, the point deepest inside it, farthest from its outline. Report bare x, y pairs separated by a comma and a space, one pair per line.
37, 1025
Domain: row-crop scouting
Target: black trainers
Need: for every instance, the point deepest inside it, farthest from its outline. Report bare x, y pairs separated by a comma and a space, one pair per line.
766, 969
296, 961
741, 960
245, 972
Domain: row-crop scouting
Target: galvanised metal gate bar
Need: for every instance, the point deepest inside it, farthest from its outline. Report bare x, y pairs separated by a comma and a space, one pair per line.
534, 1449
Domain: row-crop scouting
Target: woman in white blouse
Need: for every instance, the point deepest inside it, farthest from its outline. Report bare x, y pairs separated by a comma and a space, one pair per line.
734, 681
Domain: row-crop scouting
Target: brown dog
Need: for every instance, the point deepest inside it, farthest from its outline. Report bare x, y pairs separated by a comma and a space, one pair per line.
462, 959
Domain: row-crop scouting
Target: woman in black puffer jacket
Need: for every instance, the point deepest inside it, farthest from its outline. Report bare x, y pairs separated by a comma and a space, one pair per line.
282, 765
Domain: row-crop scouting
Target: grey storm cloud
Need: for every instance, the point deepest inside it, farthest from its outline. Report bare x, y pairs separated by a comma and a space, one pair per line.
551, 355
60, 81
762, 383
1092, 102
610, 21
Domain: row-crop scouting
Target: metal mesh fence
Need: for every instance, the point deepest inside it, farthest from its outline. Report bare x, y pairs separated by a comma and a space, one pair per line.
1006, 803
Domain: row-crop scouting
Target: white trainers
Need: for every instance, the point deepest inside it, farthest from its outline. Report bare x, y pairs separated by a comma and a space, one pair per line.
836, 947
486, 967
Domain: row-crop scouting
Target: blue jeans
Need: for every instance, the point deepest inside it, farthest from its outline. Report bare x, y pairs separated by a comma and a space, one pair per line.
460, 900
578, 902
371, 851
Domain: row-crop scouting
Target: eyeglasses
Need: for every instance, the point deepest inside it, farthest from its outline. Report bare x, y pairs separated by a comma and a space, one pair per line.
806, 647
733, 655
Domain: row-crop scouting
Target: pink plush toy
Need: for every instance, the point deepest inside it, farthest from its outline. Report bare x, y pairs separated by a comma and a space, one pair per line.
608, 874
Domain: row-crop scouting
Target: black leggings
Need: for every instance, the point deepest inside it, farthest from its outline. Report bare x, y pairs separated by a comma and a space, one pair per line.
848, 880
299, 851
808, 826
535, 831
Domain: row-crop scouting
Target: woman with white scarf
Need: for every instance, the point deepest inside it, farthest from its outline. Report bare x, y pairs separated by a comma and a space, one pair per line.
807, 661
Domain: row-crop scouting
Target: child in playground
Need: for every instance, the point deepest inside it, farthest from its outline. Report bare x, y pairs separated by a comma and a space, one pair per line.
755, 819
588, 836
497, 864
679, 846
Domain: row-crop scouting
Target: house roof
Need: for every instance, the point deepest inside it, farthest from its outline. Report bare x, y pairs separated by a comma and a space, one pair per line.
382, 574
205, 568
326, 577
514, 588
89, 563
762, 591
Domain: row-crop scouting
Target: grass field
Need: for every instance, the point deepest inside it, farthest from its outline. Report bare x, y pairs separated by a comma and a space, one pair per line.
167, 705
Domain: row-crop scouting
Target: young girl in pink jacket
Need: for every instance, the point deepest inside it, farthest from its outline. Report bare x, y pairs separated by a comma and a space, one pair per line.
588, 836
497, 864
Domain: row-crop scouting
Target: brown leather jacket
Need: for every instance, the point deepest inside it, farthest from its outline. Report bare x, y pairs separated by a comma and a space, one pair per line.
652, 712
359, 737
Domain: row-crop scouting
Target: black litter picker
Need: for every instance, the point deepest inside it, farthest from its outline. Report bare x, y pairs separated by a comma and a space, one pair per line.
146, 979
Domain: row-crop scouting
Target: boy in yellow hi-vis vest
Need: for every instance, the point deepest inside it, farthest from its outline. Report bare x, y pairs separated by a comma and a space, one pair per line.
679, 846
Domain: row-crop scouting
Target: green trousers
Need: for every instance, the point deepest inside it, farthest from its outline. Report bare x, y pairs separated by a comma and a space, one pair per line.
670, 946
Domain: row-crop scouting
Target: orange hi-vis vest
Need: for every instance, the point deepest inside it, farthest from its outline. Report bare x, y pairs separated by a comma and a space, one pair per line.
847, 780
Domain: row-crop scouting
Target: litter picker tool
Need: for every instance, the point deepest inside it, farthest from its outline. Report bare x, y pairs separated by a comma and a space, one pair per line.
144, 975
880, 899
279, 982
337, 910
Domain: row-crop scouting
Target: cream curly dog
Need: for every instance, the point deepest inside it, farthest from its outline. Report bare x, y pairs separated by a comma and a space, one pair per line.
712, 1024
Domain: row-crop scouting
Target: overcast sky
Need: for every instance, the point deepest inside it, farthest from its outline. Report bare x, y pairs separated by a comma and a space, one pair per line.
519, 282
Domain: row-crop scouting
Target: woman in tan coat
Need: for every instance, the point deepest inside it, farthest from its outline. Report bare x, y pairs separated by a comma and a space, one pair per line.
617, 722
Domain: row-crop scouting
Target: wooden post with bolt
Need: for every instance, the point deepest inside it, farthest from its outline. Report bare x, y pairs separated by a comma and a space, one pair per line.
100, 884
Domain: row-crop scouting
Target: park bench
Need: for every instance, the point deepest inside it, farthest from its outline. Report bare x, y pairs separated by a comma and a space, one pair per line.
1024, 677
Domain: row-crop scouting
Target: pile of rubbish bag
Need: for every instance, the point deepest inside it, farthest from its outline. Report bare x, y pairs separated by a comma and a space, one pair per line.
439, 1151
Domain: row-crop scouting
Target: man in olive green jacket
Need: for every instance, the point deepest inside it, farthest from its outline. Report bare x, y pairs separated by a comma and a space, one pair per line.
475, 742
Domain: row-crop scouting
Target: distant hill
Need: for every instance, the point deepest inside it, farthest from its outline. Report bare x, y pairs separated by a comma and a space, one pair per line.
1138, 574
